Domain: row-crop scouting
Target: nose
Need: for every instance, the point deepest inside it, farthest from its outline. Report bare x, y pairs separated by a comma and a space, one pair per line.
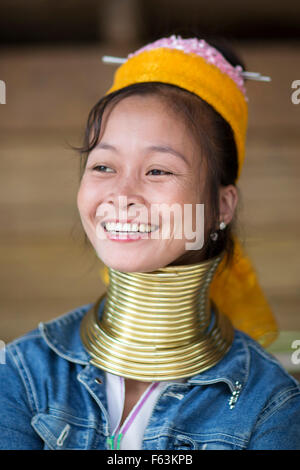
125, 195
125, 192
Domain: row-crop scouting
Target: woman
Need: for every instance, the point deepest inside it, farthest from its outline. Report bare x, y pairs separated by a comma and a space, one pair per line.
159, 361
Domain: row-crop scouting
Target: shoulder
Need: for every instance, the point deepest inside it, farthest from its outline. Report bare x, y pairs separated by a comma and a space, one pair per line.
252, 367
257, 378
33, 365
39, 359
261, 367
268, 407
60, 336
260, 360
274, 397
271, 389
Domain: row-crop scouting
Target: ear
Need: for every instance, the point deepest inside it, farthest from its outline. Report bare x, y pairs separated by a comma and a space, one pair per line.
228, 199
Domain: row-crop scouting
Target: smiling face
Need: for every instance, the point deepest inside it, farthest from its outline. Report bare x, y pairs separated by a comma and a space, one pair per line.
145, 158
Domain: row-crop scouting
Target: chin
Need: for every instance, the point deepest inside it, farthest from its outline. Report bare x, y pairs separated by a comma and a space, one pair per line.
139, 260
129, 265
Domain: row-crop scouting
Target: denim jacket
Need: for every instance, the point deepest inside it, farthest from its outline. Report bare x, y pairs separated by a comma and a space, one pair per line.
51, 397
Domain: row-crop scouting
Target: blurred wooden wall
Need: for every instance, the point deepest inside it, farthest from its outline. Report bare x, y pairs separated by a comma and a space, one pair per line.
46, 269
121, 20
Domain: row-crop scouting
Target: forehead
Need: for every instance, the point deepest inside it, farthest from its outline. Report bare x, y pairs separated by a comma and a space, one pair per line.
151, 108
149, 117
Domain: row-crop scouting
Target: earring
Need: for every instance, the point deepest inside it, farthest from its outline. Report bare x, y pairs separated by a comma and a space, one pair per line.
214, 235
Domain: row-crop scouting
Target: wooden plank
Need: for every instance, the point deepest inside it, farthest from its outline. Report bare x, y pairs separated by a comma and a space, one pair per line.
46, 270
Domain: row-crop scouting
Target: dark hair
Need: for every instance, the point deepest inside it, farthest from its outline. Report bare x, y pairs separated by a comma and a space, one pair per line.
214, 136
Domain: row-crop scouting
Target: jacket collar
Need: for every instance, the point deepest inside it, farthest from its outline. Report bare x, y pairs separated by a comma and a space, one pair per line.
233, 369
62, 335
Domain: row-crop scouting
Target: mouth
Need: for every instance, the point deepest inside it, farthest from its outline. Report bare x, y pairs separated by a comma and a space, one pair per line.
128, 228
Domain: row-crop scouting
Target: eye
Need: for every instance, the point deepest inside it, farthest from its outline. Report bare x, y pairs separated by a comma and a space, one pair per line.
102, 168
160, 171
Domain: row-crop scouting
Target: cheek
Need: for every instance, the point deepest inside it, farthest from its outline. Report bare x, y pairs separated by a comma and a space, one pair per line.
87, 196
81, 197
85, 204
175, 201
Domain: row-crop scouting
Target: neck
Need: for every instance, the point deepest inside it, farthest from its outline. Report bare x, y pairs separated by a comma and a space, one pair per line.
157, 326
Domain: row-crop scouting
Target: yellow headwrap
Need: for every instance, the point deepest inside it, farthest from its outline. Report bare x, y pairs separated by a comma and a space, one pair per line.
235, 289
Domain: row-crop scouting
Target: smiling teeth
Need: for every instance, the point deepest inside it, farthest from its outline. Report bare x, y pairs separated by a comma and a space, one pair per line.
118, 227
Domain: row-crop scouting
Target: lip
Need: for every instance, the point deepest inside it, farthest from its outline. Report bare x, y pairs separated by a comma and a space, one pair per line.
121, 221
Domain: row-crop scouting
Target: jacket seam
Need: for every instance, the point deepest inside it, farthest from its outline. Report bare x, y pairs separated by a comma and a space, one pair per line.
26, 377
265, 415
77, 421
23, 339
47, 434
209, 437
247, 359
257, 348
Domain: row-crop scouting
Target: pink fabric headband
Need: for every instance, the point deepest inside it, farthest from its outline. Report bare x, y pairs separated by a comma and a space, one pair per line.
200, 48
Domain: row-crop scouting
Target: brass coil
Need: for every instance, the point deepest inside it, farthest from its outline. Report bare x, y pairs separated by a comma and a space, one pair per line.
158, 326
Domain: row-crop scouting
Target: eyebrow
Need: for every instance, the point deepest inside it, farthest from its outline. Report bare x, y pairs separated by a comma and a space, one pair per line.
168, 149
152, 148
